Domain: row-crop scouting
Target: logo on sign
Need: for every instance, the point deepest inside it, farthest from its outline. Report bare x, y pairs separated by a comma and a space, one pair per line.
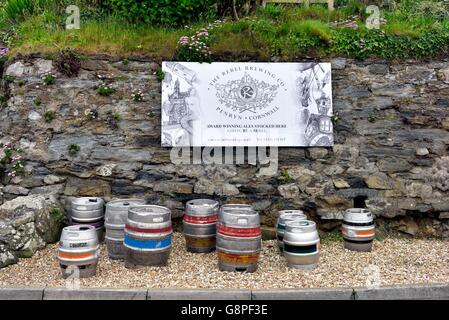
249, 92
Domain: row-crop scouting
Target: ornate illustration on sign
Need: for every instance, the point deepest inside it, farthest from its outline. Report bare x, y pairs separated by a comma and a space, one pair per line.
180, 107
246, 104
311, 84
246, 94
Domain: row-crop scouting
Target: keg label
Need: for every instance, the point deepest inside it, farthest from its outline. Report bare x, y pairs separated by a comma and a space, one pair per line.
78, 245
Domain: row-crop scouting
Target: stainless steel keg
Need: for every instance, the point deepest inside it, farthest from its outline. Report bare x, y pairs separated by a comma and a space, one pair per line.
115, 220
88, 210
284, 216
358, 229
301, 244
200, 225
79, 251
148, 236
239, 240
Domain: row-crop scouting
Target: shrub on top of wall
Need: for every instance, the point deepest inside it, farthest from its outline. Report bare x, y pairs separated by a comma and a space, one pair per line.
163, 12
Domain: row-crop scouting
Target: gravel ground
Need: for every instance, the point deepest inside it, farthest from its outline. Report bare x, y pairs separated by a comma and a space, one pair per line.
392, 262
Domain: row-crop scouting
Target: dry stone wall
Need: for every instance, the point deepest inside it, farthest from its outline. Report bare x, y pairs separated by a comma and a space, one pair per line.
390, 153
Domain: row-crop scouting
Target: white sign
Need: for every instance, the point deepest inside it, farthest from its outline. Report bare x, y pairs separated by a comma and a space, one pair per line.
246, 104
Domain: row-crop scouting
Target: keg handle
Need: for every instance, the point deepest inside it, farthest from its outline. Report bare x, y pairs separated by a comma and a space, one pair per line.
242, 221
93, 200
126, 203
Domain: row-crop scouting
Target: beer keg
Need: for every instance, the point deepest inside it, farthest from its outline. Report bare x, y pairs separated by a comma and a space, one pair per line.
284, 216
239, 240
301, 244
79, 251
115, 220
90, 211
199, 225
358, 229
148, 236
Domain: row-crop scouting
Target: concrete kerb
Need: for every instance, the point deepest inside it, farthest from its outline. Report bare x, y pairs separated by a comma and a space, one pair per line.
195, 294
21, 293
425, 292
94, 294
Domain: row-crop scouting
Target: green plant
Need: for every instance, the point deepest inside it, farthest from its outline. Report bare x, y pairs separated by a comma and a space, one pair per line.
160, 74
151, 115
57, 214
104, 90
9, 79
37, 101
73, 149
68, 62
49, 116
113, 119
125, 62
49, 79
165, 13
137, 96
21, 82
373, 118
11, 159
335, 118
194, 48
285, 177
90, 114
3, 101
18, 10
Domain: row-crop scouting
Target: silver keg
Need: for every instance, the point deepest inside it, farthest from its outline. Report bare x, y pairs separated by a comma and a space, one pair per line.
239, 240
88, 210
79, 251
301, 244
115, 220
200, 225
148, 236
283, 217
358, 229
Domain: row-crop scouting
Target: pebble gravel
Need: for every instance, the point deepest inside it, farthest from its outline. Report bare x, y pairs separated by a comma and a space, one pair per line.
393, 261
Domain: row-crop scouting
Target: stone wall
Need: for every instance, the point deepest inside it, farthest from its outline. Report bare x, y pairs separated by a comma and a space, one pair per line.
390, 153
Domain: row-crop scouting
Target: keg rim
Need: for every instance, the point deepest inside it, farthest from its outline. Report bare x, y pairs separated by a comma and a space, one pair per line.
141, 209
77, 228
236, 206
242, 212
291, 211
88, 200
205, 206
123, 204
357, 210
291, 216
309, 224
205, 202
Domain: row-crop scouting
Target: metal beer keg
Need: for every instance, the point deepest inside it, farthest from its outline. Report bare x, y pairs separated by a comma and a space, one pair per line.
115, 220
358, 229
148, 236
200, 225
239, 240
90, 211
301, 244
284, 216
79, 251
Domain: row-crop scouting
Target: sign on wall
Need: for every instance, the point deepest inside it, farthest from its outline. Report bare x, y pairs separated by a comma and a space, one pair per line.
246, 104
